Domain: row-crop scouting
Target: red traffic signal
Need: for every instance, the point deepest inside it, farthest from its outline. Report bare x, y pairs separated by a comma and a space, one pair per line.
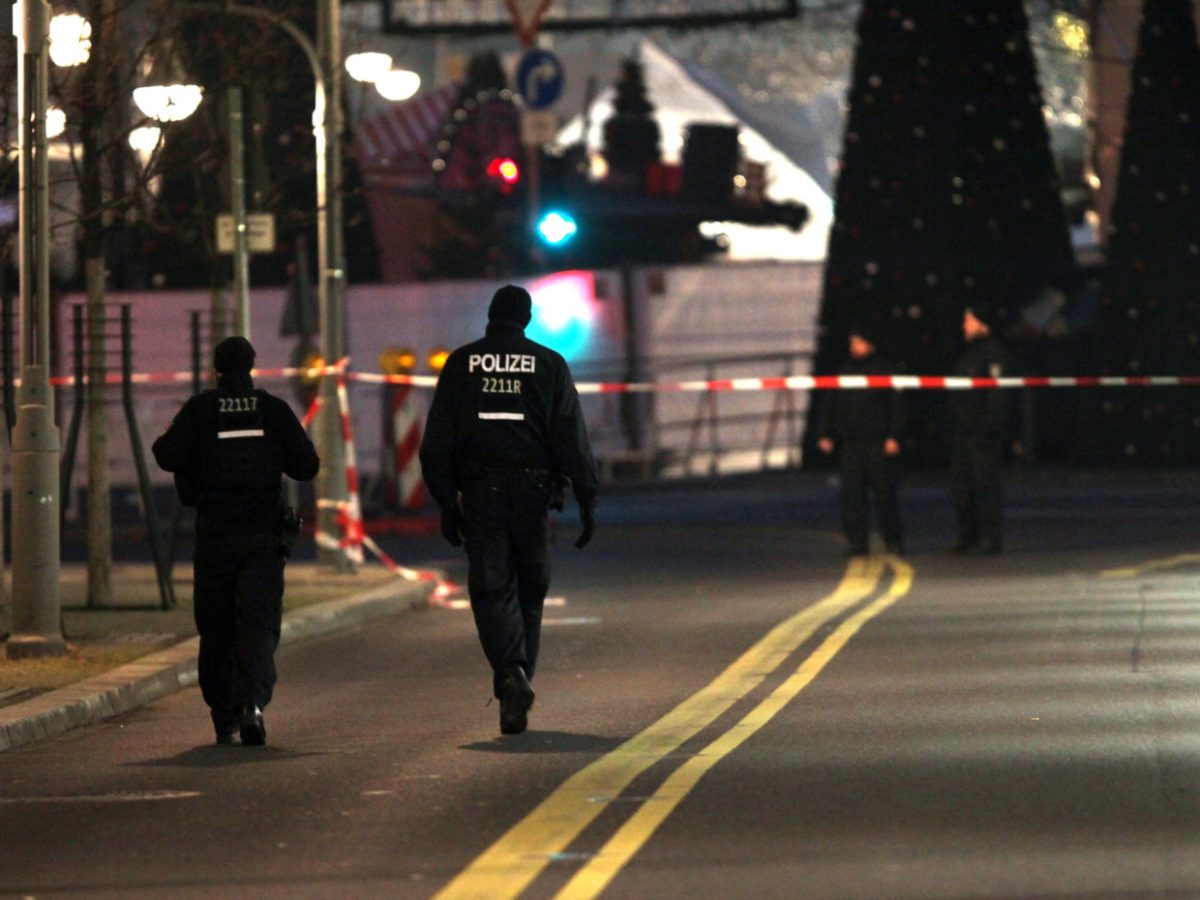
505, 170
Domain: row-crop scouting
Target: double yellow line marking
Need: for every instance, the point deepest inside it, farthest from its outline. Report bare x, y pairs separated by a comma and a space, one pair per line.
1154, 565
512, 863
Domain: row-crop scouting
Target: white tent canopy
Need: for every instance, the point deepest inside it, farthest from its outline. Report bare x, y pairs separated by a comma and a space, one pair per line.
679, 102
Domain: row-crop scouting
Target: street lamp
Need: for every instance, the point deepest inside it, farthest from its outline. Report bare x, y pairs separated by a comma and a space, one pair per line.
368, 66
168, 102
70, 40
398, 84
332, 484
373, 67
36, 553
144, 140
56, 122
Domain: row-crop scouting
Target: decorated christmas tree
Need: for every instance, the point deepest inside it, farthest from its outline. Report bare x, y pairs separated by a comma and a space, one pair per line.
1149, 319
631, 134
947, 195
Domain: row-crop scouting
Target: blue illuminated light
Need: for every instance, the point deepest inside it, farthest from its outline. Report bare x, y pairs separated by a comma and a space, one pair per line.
556, 228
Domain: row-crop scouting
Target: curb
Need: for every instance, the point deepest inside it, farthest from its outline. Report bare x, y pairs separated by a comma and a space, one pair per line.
166, 671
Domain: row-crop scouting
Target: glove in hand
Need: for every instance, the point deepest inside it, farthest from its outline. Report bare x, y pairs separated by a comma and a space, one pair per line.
452, 522
588, 520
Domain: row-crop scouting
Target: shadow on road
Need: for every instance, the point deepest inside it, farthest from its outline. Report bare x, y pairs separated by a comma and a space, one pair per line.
212, 756
547, 742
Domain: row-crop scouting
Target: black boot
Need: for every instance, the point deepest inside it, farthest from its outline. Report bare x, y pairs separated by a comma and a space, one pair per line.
516, 697
253, 729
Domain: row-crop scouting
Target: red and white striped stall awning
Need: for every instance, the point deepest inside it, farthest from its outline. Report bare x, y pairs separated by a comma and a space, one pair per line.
396, 148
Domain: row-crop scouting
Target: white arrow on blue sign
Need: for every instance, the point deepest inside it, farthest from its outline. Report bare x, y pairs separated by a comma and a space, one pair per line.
539, 78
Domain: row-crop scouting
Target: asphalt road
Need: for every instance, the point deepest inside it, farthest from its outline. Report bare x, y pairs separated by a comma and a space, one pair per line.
726, 708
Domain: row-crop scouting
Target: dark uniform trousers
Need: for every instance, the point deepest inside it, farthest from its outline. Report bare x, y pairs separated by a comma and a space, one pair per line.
865, 467
975, 482
238, 607
508, 549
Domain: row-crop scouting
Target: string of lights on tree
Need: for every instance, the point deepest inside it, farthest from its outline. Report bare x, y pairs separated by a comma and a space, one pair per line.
947, 195
478, 168
1149, 317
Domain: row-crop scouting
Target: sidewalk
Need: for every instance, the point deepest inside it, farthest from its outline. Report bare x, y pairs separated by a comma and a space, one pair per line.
133, 653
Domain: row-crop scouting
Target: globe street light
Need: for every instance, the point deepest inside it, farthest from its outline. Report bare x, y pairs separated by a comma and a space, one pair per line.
373, 67
368, 67
70, 40
56, 122
168, 102
398, 84
145, 141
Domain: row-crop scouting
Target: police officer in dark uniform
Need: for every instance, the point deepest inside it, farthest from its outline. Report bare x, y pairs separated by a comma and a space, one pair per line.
977, 454
867, 426
228, 449
503, 434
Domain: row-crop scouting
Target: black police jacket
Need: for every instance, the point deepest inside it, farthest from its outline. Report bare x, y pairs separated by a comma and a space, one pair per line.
981, 412
508, 402
229, 448
855, 414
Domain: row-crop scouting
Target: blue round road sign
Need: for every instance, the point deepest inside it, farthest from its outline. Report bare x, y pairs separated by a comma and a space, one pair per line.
539, 78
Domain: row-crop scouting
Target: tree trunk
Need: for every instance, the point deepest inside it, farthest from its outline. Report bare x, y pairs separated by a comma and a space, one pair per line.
96, 221
99, 502
5, 599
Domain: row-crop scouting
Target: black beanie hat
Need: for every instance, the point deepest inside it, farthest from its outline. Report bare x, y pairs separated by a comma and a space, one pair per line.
512, 304
234, 356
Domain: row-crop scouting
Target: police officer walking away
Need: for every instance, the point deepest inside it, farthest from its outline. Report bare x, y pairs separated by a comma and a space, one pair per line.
977, 453
866, 425
229, 448
503, 432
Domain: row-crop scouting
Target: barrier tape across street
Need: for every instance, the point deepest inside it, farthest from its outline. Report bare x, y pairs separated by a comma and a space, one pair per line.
353, 538
780, 383
823, 382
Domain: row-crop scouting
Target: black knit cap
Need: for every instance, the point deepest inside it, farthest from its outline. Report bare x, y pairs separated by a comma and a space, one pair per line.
234, 356
512, 304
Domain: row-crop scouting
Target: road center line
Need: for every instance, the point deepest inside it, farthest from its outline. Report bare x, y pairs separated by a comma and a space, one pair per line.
511, 864
1172, 562
595, 876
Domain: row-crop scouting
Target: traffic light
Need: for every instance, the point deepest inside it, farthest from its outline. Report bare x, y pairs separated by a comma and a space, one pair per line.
504, 172
556, 227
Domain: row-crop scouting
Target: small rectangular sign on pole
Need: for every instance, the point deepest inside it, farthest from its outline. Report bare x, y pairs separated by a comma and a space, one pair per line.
260, 232
538, 126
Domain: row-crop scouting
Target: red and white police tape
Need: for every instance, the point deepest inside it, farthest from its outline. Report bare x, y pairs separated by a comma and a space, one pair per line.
836, 382
354, 538
349, 511
780, 383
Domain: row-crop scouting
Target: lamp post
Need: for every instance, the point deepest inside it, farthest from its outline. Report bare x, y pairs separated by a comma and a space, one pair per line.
332, 486
324, 60
37, 629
